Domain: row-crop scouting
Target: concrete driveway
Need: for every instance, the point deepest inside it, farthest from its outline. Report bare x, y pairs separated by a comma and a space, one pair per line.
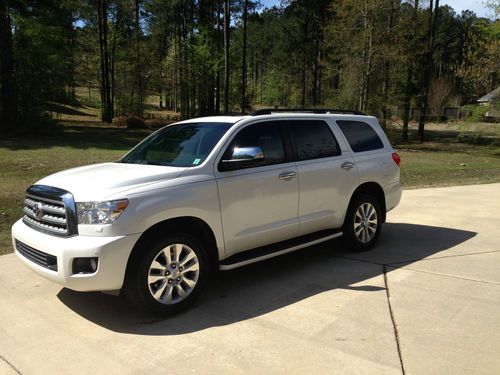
425, 301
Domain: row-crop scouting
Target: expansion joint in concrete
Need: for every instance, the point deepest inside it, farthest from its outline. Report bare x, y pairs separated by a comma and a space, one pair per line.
393, 319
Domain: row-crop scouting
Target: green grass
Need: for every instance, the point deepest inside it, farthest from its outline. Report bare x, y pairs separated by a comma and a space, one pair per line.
23, 162
441, 161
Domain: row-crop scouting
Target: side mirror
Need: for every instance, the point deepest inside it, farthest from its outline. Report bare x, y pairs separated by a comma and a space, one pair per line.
243, 157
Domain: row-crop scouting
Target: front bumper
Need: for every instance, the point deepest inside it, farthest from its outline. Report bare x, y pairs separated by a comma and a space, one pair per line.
113, 254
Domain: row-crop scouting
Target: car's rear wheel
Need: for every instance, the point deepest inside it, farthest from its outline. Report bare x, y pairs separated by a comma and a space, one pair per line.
168, 276
363, 223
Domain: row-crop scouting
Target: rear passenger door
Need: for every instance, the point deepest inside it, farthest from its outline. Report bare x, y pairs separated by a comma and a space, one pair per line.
326, 175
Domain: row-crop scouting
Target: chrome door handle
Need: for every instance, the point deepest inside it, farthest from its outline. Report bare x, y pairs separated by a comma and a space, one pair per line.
286, 176
347, 165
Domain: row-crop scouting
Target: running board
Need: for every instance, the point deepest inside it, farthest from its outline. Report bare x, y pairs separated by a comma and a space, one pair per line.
280, 248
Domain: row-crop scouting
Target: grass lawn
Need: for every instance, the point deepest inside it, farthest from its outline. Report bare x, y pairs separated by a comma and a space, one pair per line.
441, 161
23, 162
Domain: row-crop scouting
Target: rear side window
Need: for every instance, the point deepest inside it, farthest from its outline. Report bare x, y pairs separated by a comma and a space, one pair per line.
360, 135
313, 139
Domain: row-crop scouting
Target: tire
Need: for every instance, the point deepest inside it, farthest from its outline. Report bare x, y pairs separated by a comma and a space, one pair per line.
162, 280
363, 223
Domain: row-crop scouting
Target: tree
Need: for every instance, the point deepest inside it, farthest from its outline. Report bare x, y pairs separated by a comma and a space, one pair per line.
8, 93
244, 59
106, 104
427, 67
227, 88
410, 41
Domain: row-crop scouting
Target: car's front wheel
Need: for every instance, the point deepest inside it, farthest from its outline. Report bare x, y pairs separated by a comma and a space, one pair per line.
363, 223
168, 275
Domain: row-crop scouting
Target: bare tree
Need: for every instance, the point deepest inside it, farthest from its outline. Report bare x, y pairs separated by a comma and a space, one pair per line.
439, 92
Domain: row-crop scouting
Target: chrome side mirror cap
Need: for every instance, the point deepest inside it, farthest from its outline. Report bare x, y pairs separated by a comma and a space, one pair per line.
247, 154
243, 157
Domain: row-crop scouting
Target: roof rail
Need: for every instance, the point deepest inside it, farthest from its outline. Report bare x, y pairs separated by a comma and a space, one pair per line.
269, 111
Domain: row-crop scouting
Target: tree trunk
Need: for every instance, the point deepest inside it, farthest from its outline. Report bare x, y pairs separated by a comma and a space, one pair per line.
226, 55
139, 107
304, 66
102, 12
244, 59
387, 65
427, 69
315, 72
8, 94
407, 99
409, 75
217, 74
367, 58
113, 62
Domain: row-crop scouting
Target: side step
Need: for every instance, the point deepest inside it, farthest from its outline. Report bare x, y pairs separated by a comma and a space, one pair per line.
279, 248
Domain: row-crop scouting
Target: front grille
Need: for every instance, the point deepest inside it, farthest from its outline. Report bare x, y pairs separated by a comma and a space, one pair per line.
37, 256
50, 210
46, 215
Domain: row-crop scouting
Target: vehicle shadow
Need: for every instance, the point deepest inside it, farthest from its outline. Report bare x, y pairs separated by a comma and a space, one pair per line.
251, 291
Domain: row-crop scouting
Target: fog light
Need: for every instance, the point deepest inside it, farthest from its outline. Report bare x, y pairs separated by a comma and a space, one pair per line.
85, 265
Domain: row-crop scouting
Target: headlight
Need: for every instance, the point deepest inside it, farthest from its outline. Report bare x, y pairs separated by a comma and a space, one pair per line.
100, 212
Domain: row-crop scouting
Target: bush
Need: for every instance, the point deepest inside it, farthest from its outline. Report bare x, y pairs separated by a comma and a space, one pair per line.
157, 122
131, 122
135, 122
475, 112
39, 124
120, 121
474, 139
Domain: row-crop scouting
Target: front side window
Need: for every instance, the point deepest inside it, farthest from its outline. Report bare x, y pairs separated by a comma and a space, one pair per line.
180, 145
266, 136
313, 139
360, 135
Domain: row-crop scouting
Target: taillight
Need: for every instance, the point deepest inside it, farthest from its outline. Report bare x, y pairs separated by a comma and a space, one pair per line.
396, 158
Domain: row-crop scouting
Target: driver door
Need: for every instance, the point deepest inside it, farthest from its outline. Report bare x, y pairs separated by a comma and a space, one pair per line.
258, 202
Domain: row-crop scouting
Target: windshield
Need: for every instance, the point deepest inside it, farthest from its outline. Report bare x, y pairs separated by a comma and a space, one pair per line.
181, 145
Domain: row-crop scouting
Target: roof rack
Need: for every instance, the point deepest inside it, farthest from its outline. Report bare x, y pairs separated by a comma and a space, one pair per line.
269, 111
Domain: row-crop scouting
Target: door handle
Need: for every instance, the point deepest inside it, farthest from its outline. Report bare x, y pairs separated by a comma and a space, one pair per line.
347, 165
286, 176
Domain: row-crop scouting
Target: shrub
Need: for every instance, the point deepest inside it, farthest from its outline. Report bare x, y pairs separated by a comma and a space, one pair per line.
157, 122
475, 112
131, 122
474, 139
120, 121
135, 122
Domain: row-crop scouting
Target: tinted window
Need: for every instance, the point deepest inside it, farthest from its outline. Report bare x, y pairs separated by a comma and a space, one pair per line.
313, 140
360, 136
181, 145
267, 136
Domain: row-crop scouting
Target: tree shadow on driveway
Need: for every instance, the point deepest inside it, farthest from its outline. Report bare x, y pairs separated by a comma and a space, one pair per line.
254, 290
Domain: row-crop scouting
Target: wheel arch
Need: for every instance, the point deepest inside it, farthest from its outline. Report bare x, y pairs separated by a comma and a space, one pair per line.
186, 224
374, 189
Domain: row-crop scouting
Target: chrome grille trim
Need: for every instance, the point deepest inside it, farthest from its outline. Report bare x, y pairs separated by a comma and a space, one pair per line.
50, 210
47, 207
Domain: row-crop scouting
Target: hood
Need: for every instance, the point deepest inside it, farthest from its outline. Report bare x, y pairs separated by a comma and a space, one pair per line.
99, 181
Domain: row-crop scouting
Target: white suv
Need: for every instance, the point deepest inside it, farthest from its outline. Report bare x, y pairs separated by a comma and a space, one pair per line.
209, 193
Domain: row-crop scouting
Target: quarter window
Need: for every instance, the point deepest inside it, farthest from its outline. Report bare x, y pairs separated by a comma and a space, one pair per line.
360, 135
313, 139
